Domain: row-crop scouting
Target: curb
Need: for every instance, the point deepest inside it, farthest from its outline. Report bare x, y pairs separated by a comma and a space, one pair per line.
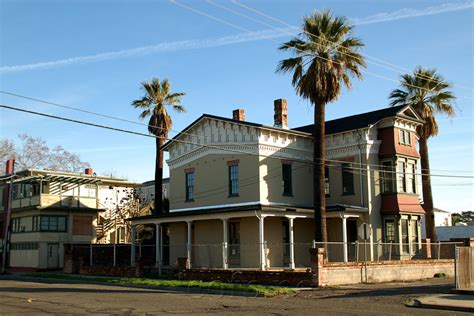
183, 290
418, 304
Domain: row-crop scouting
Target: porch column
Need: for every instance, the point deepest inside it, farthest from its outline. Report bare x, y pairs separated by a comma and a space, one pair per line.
188, 245
344, 238
158, 248
261, 241
224, 243
292, 243
132, 245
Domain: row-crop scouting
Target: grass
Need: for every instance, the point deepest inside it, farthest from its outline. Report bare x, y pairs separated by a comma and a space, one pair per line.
440, 275
264, 290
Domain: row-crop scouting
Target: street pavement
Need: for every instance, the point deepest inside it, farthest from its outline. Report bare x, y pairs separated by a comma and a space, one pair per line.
29, 297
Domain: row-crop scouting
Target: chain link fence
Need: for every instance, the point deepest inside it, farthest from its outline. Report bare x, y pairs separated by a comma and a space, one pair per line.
249, 255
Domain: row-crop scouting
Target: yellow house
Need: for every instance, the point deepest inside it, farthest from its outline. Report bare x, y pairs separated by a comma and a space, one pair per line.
50, 208
241, 193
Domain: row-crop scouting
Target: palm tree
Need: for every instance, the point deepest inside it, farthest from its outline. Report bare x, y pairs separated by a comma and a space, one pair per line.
157, 97
326, 56
428, 94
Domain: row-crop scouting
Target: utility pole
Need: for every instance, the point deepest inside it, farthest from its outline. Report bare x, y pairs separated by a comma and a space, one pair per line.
10, 171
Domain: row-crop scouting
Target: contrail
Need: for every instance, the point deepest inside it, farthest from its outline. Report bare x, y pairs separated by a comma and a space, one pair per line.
412, 13
234, 39
152, 49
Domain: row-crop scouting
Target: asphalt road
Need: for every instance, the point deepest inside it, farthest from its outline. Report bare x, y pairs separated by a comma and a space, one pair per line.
27, 297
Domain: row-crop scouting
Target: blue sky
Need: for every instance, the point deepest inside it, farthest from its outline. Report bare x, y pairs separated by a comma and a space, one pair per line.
94, 54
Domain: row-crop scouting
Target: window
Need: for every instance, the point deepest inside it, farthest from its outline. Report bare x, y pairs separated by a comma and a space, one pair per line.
414, 236
347, 179
413, 178
387, 177
390, 230
88, 190
82, 225
326, 181
233, 180
46, 223
190, 186
402, 186
16, 222
404, 239
404, 137
287, 179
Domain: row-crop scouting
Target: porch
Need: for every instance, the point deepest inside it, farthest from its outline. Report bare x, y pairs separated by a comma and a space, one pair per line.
257, 237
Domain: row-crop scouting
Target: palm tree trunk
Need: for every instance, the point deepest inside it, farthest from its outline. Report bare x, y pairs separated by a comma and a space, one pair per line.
158, 177
319, 158
426, 186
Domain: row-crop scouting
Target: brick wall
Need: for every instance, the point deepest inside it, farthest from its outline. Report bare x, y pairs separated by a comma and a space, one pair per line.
343, 273
300, 279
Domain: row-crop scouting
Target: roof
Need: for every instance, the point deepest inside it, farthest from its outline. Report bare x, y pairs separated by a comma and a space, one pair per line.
225, 119
357, 121
71, 177
152, 182
223, 209
440, 210
332, 127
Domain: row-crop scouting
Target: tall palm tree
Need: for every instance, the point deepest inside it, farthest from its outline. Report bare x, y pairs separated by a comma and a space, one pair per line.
325, 57
154, 104
429, 94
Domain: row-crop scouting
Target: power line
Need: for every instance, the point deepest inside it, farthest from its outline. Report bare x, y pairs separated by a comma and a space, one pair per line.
184, 133
196, 144
272, 40
390, 66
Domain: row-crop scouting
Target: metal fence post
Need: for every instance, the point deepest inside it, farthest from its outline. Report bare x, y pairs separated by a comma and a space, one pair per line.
357, 250
439, 249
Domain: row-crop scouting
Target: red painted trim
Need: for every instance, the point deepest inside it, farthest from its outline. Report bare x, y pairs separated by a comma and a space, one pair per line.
286, 162
233, 162
188, 170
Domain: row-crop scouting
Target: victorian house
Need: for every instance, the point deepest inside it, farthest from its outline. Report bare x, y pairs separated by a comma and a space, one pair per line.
241, 193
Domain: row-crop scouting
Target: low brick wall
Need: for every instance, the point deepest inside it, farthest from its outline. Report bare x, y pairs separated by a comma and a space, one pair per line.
331, 274
291, 278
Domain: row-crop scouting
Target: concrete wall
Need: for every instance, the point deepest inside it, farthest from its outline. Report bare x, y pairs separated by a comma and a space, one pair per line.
343, 274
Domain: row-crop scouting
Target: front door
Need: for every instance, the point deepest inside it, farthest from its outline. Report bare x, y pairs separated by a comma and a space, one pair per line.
351, 238
53, 256
234, 244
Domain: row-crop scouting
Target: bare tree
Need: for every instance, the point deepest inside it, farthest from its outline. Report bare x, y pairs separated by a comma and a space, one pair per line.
34, 153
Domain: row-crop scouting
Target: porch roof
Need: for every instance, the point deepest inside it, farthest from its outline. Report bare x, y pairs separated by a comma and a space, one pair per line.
346, 207
225, 210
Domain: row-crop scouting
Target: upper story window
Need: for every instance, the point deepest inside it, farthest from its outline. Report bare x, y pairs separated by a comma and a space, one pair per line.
326, 181
189, 186
387, 177
234, 180
287, 179
404, 137
51, 223
402, 185
347, 179
406, 176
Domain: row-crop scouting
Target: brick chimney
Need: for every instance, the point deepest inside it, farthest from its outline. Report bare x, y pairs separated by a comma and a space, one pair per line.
238, 115
281, 113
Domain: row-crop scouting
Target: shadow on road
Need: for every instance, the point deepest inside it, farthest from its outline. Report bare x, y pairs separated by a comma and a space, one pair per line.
415, 289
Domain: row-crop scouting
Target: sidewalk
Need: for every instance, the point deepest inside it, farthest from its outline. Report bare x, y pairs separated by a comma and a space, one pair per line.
453, 302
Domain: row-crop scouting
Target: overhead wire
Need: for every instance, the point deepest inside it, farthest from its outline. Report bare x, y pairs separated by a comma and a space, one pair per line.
272, 40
